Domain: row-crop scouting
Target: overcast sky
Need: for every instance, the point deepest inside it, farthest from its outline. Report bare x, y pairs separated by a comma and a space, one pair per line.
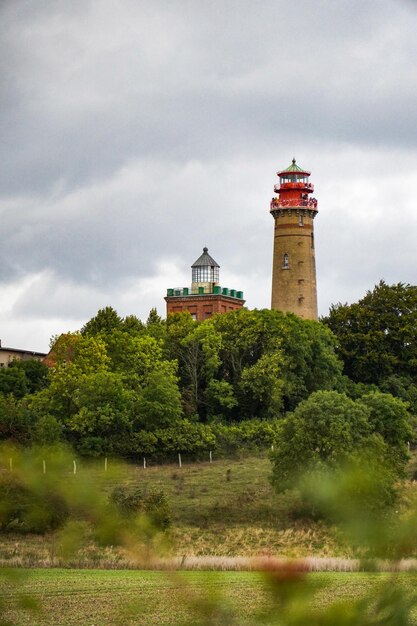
135, 132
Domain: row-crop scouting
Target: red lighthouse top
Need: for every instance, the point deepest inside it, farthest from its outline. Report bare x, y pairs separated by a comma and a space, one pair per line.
294, 189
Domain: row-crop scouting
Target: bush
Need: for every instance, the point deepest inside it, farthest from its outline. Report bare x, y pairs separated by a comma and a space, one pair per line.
131, 501
195, 440
250, 435
26, 510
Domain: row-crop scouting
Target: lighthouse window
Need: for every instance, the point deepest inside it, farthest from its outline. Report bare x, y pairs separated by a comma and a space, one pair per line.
300, 220
285, 263
205, 274
312, 240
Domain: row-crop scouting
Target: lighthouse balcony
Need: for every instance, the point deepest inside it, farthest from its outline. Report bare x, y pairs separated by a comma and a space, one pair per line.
277, 203
308, 187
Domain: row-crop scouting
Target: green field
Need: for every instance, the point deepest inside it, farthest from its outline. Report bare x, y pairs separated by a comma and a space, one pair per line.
92, 597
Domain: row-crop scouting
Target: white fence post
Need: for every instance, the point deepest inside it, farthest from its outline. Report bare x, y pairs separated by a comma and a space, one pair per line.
179, 460
75, 467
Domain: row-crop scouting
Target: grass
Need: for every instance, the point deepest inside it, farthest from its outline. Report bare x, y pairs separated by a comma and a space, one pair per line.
91, 597
225, 508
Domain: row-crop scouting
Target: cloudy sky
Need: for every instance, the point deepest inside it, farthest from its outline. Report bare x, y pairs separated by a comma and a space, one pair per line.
133, 133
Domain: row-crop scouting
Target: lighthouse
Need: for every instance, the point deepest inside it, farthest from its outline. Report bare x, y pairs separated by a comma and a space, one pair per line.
294, 268
206, 297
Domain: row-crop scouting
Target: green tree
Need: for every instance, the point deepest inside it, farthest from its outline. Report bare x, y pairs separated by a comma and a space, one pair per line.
321, 432
15, 422
105, 321
87, 353
102, 407
377, 336
133, 325
301, 352
36, 373
265, 360
401, 387
389, 417
47, 431
84, 397
159, 402
133, 356
13, 381
155, 325
220, 399
261, 385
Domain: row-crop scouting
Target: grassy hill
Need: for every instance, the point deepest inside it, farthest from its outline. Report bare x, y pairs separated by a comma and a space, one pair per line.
224, 508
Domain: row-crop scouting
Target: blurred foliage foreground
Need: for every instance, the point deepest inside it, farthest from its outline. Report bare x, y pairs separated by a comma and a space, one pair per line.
350, 496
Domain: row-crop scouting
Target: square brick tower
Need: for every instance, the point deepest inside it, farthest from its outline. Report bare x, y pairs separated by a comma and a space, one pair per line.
294, 269
206, 297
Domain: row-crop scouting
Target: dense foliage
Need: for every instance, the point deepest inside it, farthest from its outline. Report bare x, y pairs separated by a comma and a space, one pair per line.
166, 387
377, 336
329, 432
230, 383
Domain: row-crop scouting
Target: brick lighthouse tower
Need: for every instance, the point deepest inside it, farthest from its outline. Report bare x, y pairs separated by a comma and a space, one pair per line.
294, 269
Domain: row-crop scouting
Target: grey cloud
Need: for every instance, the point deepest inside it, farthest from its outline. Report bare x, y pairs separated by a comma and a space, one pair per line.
135, 132
196, 80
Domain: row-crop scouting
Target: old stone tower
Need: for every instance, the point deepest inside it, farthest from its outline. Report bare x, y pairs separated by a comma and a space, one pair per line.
294, 269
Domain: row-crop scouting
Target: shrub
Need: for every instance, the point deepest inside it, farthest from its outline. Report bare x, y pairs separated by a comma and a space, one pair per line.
250, 435
131, 500
26, 510
195, 439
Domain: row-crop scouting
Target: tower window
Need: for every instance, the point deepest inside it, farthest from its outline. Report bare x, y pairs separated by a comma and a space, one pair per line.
300, 220
285, 261
205, 274
312, 240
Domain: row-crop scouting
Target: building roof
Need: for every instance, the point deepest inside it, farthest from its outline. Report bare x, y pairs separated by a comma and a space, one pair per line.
205, 259
294, 168
18, 351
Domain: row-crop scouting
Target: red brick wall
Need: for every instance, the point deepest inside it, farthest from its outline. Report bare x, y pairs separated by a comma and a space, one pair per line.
203, 306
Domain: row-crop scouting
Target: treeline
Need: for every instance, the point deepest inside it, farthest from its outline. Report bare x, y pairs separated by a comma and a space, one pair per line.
123, 387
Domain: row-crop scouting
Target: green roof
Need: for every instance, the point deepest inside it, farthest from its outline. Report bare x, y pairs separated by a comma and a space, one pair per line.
294, 168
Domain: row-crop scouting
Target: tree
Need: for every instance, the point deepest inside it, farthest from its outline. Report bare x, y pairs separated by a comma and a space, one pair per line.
47, 431
84, 397
13, 381
133, 356
36, 373
321, 432
182, 346
133, 325
220, 399
155, 325
389, 417
15, 422
87, 353
105, 321
377, 336
260, 387
266, 361
301, 353
159, 402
